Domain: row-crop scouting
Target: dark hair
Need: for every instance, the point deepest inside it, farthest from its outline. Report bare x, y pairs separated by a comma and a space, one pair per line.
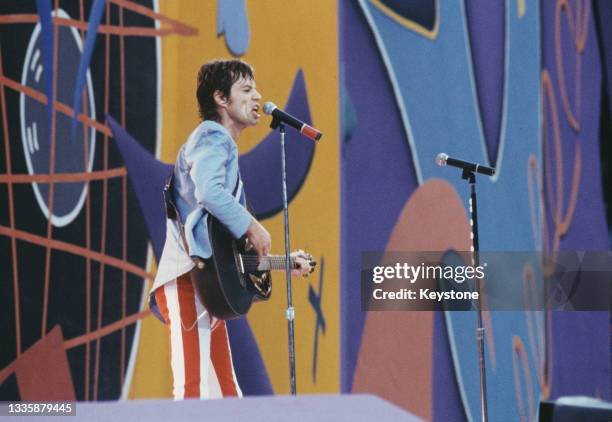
218, 75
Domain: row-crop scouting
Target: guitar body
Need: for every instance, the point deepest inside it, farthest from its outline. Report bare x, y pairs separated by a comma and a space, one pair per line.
225, 285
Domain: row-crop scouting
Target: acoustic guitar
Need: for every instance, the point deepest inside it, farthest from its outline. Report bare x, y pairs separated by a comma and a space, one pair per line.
233, 278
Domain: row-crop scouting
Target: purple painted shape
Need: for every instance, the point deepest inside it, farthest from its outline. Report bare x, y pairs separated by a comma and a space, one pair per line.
580, 340
261, 167
148, 177
447, 404
588, 229
581, 354
249, 366
486, 28
377, 174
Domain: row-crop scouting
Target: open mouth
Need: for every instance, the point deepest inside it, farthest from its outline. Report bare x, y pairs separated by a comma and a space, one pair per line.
255, 110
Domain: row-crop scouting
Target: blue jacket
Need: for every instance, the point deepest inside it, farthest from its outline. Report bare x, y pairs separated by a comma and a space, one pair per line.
205, 174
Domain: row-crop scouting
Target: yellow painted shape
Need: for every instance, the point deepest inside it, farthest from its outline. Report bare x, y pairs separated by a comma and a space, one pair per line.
285, 36
152, 376
302, 35
521, 8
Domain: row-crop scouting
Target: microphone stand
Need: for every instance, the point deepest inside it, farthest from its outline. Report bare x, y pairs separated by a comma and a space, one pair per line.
290, 312
480, 332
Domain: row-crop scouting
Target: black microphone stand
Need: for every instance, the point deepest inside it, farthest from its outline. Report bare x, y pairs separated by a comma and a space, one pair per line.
290, 312
469, 175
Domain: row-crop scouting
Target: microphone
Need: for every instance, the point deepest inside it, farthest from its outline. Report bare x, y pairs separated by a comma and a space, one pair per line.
279, 115
443, 159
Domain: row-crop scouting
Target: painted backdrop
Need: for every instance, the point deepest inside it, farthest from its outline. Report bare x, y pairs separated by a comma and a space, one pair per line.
97, 96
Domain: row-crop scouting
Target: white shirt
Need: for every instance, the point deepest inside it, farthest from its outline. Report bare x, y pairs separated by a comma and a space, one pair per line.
174, 261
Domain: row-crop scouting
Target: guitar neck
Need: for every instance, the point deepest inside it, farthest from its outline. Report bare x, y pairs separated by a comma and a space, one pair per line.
268, 263
276, 262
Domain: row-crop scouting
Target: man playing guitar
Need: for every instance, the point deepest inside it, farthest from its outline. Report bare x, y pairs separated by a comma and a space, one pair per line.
206, 182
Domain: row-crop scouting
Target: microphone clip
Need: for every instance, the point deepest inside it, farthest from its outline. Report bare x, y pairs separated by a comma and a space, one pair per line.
276, 122
468, 174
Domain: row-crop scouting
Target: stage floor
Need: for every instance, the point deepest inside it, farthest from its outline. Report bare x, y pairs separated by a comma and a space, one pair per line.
302, 408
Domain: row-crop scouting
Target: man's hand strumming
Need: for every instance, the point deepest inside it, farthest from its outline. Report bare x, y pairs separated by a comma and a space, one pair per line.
259, 238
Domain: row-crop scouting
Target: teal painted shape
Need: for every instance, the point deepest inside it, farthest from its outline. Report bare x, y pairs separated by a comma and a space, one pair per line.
435, 90
233, 23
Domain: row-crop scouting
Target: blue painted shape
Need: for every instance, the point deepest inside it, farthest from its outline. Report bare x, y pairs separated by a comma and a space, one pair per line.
95, 16
233, 23
348, 116
360, 174
69, 198
148, 177
434, 86
315, 301
43, 8
261, 167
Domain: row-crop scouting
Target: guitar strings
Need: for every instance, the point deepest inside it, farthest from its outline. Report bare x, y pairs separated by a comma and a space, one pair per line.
272, 261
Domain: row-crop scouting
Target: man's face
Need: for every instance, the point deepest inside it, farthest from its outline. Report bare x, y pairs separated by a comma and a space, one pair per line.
243, 105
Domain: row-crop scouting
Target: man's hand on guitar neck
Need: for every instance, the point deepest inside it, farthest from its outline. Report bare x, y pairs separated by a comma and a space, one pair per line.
259, 238
262, 242
306, 264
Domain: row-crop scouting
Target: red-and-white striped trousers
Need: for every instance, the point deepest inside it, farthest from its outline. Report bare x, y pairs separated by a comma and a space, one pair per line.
194, 344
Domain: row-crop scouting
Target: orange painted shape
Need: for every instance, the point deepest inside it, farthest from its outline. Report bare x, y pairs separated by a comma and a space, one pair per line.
42, 371
395, 357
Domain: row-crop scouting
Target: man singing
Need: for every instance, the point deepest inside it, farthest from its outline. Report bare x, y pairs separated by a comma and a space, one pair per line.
207, 181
